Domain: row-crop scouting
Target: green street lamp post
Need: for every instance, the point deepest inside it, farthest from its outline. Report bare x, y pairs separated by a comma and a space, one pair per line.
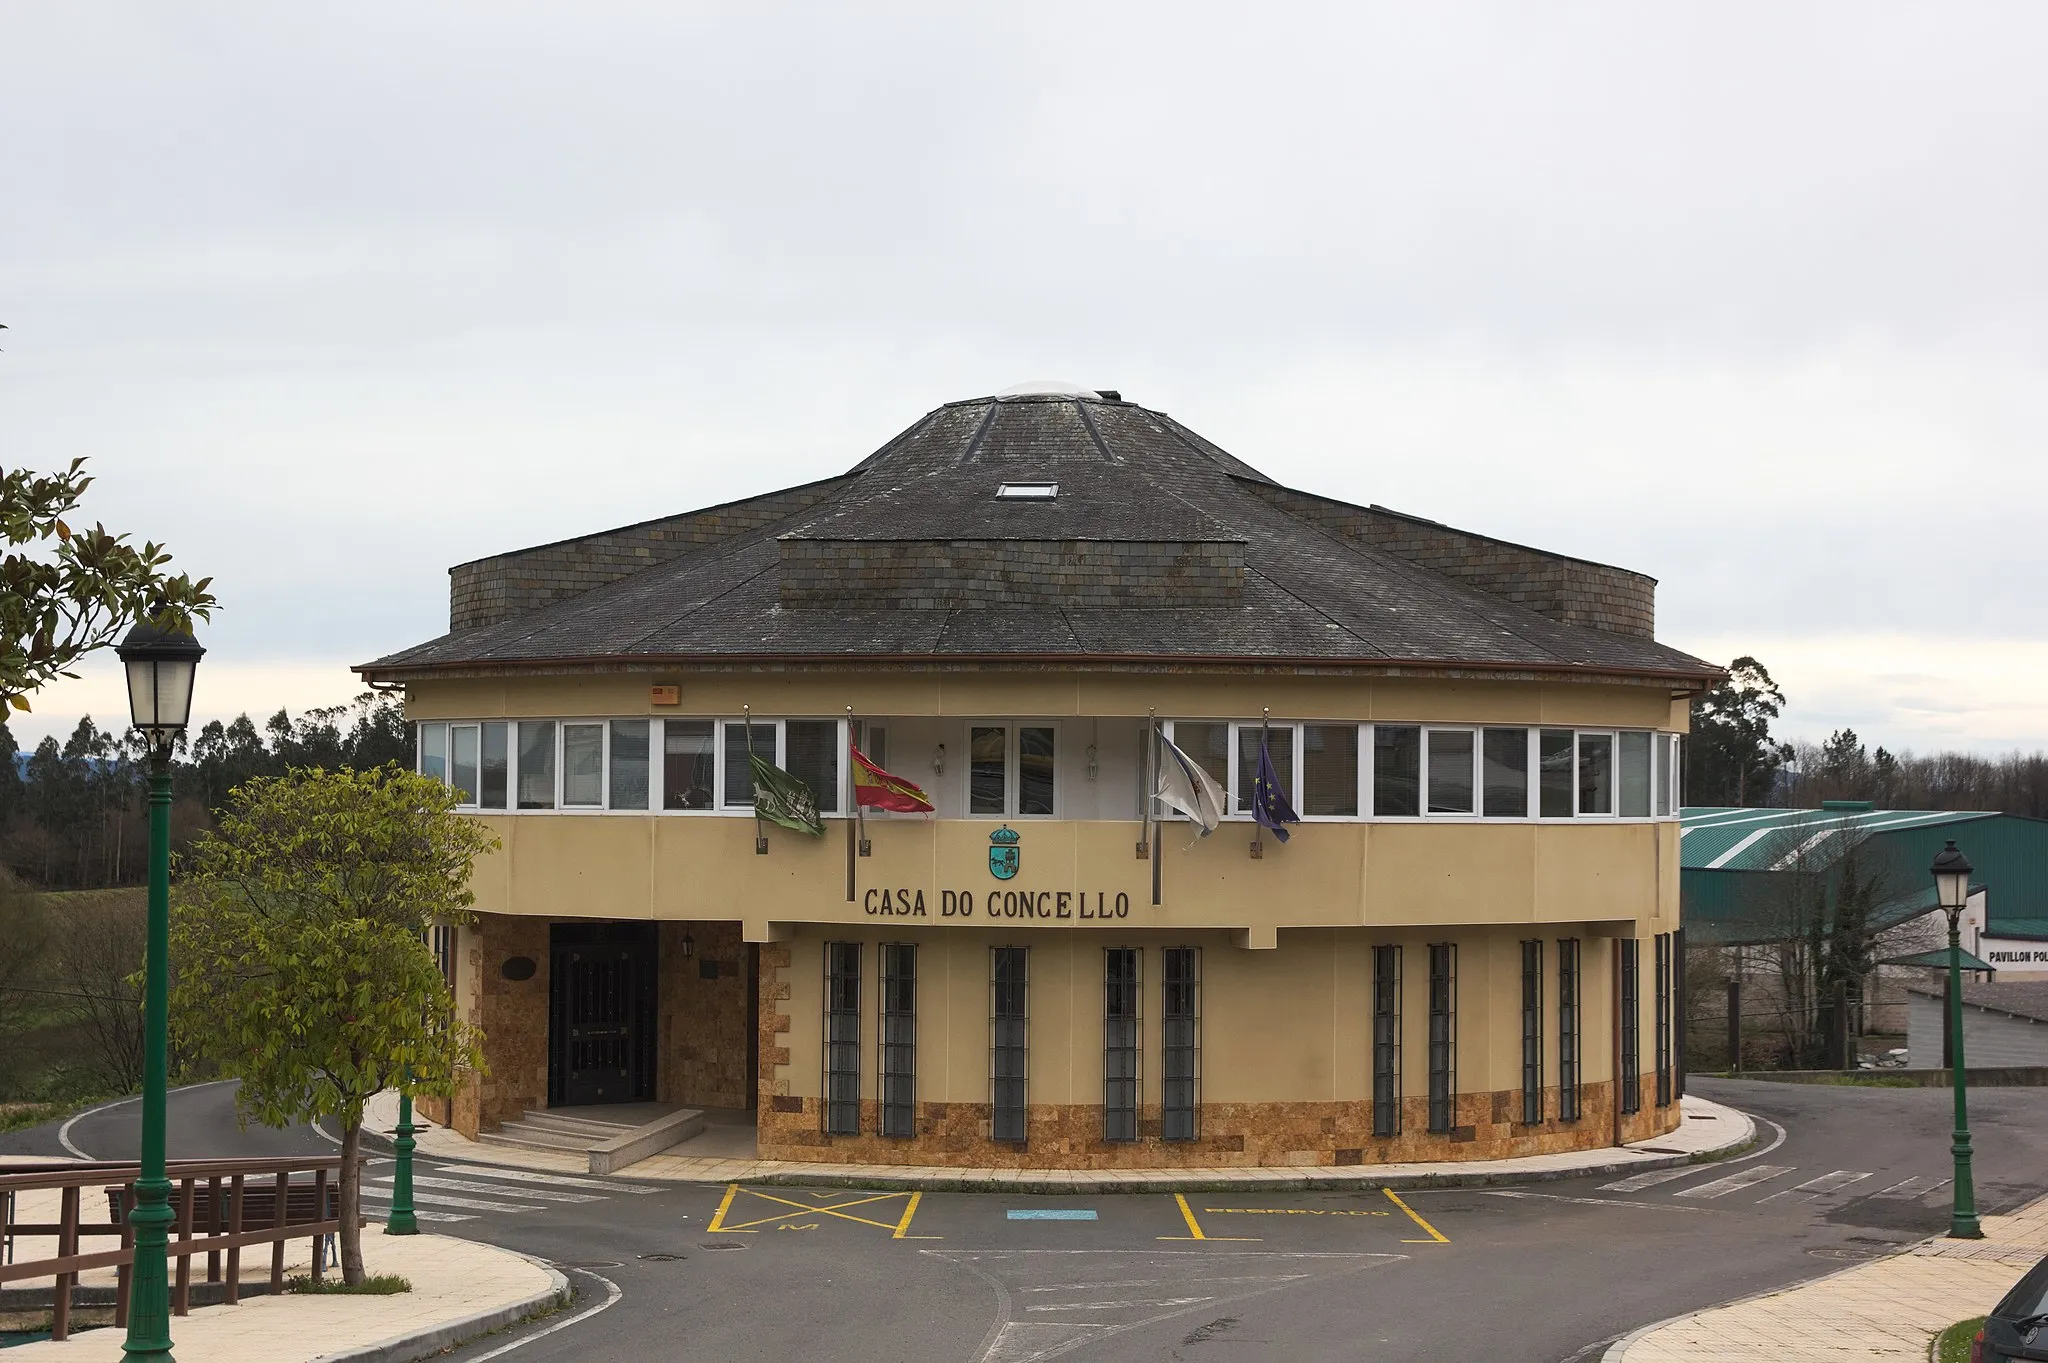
1952, 888
403, 1220
160, 667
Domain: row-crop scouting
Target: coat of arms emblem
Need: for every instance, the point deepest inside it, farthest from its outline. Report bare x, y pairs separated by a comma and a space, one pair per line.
1003, 855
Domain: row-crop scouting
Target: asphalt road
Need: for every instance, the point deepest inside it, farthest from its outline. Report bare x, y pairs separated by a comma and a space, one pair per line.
200, 1124
1539, 1273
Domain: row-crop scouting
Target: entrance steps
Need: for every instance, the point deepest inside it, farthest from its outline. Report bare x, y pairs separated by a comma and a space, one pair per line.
611, 1144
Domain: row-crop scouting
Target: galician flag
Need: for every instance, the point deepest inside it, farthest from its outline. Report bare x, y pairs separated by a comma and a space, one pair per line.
1183, 785
877, 789
782, 798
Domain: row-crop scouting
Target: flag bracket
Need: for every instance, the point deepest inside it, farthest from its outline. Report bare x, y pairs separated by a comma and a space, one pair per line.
867, 848
1258, 850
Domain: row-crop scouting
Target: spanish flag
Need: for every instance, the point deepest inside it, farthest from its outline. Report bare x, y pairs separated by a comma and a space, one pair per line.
877, 789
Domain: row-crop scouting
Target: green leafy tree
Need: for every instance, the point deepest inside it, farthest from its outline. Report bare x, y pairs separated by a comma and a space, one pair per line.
1733, 760
298, 935
65, 593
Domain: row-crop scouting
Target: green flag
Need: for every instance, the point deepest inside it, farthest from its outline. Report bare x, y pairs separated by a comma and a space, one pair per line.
782, 798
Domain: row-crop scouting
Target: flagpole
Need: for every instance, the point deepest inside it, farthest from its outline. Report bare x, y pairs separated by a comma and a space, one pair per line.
1153, 744
1146, 778
760, 836
853, 792
1265, 724
860, 811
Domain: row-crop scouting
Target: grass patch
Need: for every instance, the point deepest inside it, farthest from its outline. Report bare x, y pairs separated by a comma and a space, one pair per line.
1953, 1344
372, 1285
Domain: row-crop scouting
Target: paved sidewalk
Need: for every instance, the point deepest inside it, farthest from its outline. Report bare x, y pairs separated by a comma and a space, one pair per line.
1887, 1309
1708, 1129
460, 1290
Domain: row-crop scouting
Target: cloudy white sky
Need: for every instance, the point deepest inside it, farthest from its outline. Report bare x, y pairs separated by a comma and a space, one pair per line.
1749, 297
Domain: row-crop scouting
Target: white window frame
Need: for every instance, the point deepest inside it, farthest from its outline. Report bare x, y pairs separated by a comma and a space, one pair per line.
604, 768
1361, 799
1613, 737
1475, 732
1013, 769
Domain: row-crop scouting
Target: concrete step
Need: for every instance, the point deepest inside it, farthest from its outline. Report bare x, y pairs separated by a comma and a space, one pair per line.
525, 1137
637, 1143
564, 1122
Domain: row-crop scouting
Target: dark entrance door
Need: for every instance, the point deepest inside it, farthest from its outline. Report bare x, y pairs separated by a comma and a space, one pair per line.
602, 1011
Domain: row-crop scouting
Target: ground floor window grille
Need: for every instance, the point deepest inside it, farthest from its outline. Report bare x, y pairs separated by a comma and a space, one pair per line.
1180, 1044
1120, 1050
899, 1039
1568, 1029
1443, 1036
1008, 1057
1663, 1005
842, 1038
1532, 1032
1631, 1026
1386, 1041
443, 940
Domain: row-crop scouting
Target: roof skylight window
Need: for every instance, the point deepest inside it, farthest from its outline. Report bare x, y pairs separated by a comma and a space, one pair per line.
1028, 492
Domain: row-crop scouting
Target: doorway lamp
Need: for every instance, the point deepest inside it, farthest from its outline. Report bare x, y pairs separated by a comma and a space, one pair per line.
161, 664
1952, 889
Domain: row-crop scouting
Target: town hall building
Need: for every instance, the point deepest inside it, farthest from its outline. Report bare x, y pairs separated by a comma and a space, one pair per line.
1025, 608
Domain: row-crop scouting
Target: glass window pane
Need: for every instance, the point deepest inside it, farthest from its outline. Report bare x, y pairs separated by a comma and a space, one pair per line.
739, 777
1507, 773
1207, 742
1635, 775
536, 764
583, 764
1450, 771
1660, 775
987, 755
1554, 759
434, 751
497, 766
1396, 770
1596, 773
1034, 769
814, 759
462, 760
686, 759
1329, 769
1279, 740
629, 764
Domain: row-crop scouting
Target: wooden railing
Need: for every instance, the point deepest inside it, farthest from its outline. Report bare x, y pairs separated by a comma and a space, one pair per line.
221, 1206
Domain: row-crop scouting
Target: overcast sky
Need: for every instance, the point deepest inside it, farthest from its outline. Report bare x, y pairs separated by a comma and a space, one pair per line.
1747, 297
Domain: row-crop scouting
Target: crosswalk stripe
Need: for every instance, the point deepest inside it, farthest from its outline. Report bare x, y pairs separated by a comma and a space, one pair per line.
1912, 1187
529, 1176
472, 1203
1635, 1183
1828, 1183
462, 1185
1740, 1179
422, 1215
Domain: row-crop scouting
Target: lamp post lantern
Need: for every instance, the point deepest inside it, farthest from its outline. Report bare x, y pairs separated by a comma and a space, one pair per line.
160, 665
1952, 888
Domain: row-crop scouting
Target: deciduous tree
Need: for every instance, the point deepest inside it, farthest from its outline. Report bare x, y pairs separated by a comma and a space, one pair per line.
65, 593
298, 936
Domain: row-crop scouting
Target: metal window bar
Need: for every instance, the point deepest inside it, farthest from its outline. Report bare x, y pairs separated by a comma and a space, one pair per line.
1630, 1078
1009, 1057
444, 952
1443, 1036
1386, 1041
1663, 947
842, 1038
1180, 1051
899, 1039
1568, 1039
1121, 1052
1532, 1032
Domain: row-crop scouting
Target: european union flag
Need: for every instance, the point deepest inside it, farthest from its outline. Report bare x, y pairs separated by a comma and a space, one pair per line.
1270, 808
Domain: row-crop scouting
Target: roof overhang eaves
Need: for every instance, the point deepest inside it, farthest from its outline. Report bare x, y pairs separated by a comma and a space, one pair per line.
1691, 681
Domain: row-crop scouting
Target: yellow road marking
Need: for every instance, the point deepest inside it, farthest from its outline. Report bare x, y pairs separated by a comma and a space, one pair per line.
903, 1226
1435, 1236
836, 1209
718, 1217
1187, 1214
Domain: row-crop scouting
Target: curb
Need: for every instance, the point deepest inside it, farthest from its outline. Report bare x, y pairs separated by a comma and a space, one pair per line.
425, 1343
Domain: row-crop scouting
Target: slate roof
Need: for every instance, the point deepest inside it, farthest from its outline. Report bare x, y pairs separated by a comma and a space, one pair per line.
1125, 473
2017, 998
